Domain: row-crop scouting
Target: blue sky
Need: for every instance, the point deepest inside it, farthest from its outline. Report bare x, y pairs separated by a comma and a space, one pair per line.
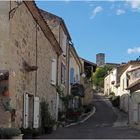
110, 27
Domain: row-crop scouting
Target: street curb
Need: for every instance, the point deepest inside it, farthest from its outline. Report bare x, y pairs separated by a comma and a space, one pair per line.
85, 119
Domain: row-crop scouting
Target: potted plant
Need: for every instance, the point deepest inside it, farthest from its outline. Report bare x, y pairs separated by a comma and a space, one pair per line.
50, 126
27, 133
10, 133
6, 92
47, 121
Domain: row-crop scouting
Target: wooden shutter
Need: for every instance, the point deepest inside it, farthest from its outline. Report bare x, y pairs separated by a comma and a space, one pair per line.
135, 113
26, 111
36, 113
53, 75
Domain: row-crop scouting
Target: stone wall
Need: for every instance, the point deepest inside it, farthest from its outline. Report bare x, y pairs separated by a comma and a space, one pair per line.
23, 48
45, 55
27, 44
5, 117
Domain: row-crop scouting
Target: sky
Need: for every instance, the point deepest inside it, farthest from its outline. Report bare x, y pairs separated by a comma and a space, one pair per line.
110, 27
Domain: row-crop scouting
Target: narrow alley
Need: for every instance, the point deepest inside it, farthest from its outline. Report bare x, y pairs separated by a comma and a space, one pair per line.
103, 124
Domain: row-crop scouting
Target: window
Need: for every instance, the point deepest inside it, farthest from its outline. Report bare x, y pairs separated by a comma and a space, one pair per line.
62, 73
72, 75
53, 74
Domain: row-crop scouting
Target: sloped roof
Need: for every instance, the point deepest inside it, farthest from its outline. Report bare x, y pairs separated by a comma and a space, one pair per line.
133, 69
87, 61
134, 86
50, 16
122, 68
43, 25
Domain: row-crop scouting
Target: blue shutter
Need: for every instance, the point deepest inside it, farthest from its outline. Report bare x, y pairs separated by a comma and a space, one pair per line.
72, 75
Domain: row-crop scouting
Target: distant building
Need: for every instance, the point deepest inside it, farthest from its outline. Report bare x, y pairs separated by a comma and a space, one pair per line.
100, 59
112, 64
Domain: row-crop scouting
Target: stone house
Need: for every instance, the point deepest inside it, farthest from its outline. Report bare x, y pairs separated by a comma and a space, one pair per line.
110, 82
107, 84
133, 76
75, 70
124, 92
60, 31
88, 68
116, 81
29, 71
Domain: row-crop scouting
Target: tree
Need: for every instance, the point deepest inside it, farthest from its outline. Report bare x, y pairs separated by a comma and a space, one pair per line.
98, 76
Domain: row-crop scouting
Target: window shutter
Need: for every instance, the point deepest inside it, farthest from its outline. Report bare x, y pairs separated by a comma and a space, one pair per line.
36, 113
135, 109
26, 111
53, 75
72, 75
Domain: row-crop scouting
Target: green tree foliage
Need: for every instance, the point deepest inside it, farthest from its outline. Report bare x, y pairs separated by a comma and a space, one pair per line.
98, 76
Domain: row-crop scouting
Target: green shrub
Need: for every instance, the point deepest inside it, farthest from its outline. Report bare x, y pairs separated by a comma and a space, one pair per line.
47, 121
61, 116
28, 133
116, 101
8, 133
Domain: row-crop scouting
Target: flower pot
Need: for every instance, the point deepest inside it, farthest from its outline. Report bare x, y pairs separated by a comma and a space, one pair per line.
54, 127
6, 93
28, 136
19, 137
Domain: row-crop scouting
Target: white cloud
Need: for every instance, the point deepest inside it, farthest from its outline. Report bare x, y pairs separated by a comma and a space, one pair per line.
133, 50
120, 12
97, 10
135, 4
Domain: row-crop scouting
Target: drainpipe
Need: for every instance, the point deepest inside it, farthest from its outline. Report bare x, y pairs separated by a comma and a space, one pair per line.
57, 69
129, 111
68, 63
57, 98
36, 63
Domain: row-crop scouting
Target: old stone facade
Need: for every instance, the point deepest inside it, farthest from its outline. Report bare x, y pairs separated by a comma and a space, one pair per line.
36, 55
133, 76
29, 61
128, 88
88, 68
60, 32
75, 70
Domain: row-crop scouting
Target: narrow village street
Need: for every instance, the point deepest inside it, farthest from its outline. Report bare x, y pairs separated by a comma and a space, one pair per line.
105, 123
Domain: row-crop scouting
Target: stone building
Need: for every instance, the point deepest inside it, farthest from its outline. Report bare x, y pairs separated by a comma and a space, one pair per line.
124, 92
112, 80
60, 31
31, 64
88, 69
75, 70
100, 59
133, 76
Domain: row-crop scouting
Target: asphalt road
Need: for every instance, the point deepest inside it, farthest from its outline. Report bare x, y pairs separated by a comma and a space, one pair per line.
99, 126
